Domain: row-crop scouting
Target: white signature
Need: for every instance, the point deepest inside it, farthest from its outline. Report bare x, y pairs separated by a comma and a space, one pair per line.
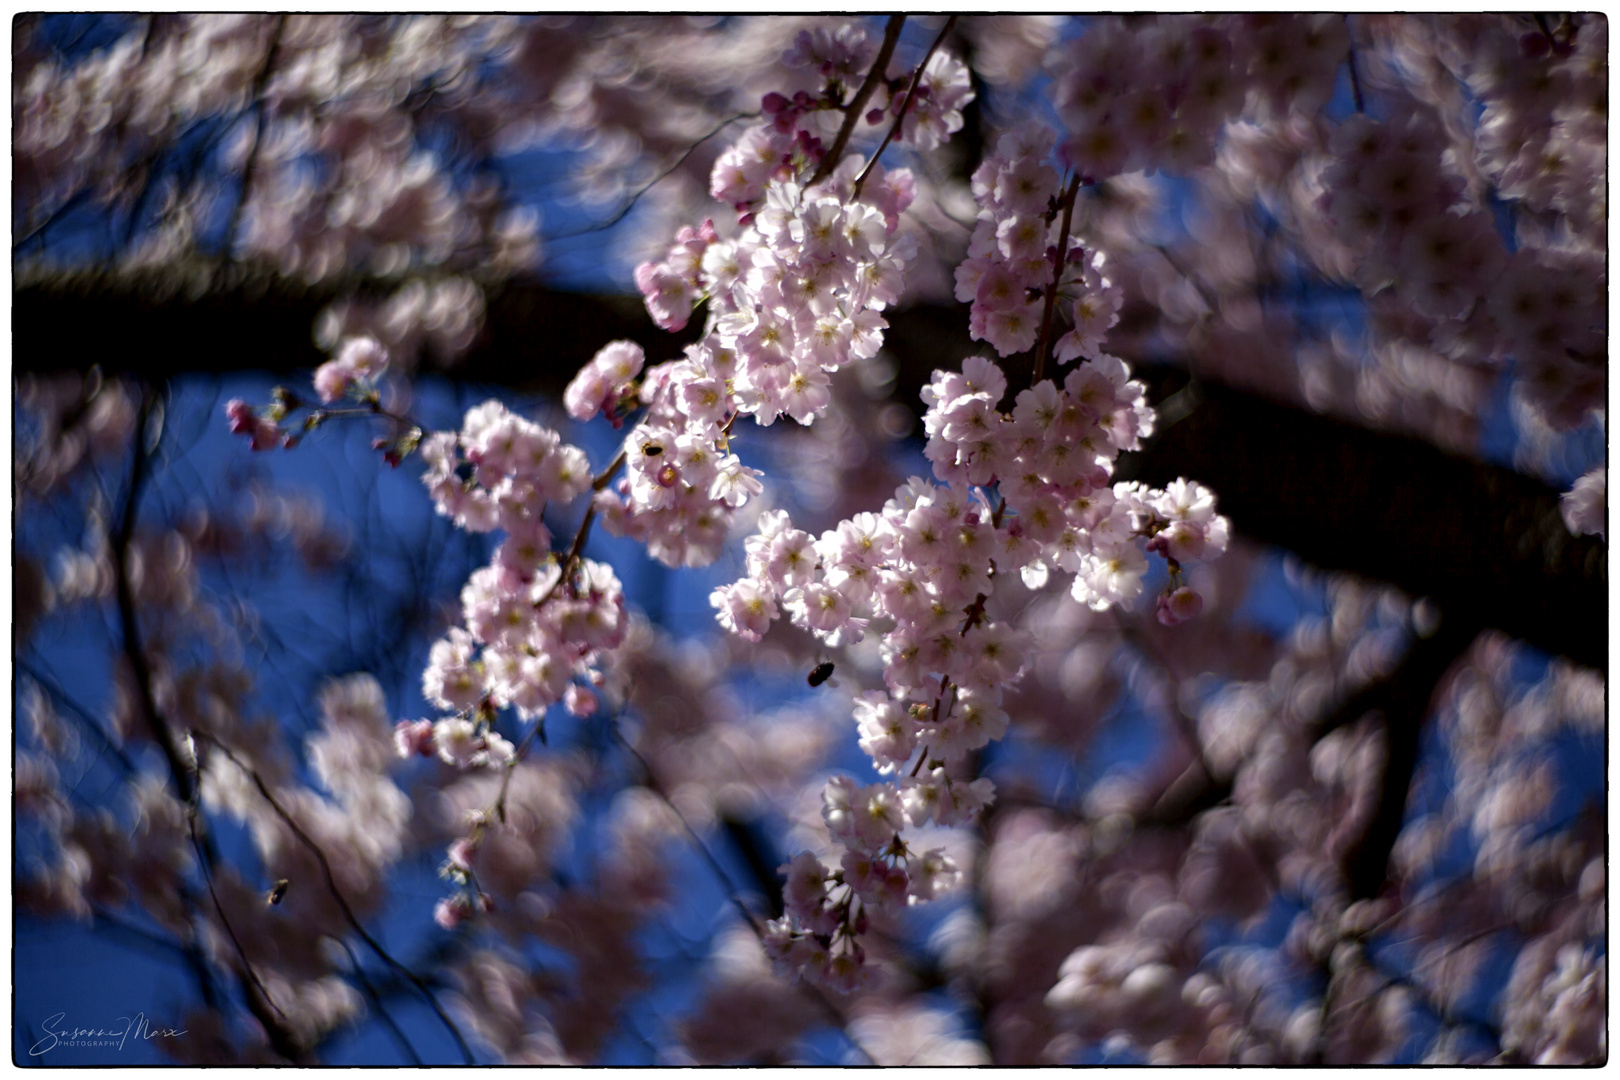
137, 1026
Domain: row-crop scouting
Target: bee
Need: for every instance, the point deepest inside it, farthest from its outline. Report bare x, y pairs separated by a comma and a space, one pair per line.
651, 449
273, 897
820, 673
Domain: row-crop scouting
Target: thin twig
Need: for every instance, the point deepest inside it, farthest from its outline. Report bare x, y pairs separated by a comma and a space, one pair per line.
697, 841
1198, 283
85, 717
208, 879
1185, 725
572, 558
894, 128
227, 244
1391, 978
630, 203
853, 111
155, 943
280, 1037
376, 999
511, 767
66, 206
731, 889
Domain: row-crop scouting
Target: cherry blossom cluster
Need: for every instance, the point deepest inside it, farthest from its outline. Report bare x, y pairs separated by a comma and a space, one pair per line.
540, 622
826, 911
781, 148
682, 482
1051, 460
1412, 226
535, 625
935, 112
501, 471
1141, 98
1011, 255
795, 297
922, 571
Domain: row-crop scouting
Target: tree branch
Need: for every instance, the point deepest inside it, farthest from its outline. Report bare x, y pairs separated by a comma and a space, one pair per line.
905, 106
257, 103
1486, 543
853, 111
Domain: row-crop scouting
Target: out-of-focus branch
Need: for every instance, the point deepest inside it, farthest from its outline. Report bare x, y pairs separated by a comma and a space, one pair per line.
1357, 953
1484, 542
635, 196
258, 998
1355, 77
382, 1012
1404, 700
134, 653
81, 713
257, 103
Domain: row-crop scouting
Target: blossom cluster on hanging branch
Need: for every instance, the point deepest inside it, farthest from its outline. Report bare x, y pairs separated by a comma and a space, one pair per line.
1027, 491
794, 293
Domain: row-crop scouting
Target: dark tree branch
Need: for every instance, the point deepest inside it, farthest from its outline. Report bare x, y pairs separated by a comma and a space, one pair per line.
1060, 263
383, 1014
129, 622
1487, 544
258, 999
1404, 702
